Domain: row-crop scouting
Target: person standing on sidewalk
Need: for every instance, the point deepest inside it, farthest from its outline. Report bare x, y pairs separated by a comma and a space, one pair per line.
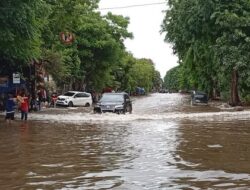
10, 108
24, 107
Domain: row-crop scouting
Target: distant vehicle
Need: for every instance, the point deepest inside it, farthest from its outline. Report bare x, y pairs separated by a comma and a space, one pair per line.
74, 98
163, 91
114, 102
199, 97
139, 91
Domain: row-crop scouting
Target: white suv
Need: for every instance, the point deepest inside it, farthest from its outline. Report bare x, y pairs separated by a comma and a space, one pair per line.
74, 98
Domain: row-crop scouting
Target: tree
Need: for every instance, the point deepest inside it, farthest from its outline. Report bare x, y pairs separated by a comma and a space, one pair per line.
101, 47
98, 44
172, 79
191, 31
21, 23
233, 42
209, 37
157, 81
142, 74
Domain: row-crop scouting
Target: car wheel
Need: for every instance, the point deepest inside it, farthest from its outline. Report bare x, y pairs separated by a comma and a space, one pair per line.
97, 111
71, 104
87, 104
120, 111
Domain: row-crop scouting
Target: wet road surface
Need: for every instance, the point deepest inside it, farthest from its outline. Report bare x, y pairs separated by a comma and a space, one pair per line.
165, 144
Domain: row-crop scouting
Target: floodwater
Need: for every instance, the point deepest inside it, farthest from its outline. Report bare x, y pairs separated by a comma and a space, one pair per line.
164, 144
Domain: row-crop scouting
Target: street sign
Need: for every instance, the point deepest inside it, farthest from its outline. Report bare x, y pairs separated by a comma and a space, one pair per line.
16, 78
67, 37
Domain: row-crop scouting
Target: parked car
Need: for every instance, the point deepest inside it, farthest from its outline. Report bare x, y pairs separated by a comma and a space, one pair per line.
163, 91
199, 97
139, 91
74, 98
114, 102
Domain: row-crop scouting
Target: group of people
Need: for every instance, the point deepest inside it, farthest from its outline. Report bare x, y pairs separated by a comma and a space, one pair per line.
22, 101
25, 103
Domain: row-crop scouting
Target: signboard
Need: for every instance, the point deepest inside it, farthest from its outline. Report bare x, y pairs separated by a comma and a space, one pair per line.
16, 78
66, 37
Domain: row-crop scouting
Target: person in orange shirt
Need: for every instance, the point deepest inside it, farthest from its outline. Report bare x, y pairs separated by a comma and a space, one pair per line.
24, 107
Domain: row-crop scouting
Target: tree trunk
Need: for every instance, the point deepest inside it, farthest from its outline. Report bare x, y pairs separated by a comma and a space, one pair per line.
234, 99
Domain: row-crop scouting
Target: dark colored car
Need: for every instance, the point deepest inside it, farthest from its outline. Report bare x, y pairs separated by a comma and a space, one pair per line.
114, 102
199, 97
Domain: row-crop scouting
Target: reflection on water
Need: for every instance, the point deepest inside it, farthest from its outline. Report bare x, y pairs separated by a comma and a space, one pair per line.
214, 154
160, 153
142, 155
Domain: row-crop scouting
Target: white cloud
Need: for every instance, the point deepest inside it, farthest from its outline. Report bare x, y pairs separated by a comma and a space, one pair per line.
145, 24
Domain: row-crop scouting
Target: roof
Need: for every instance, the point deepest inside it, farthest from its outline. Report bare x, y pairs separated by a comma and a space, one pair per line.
76, 91
115, 93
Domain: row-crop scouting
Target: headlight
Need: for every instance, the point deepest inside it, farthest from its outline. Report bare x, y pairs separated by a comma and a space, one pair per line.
118, 106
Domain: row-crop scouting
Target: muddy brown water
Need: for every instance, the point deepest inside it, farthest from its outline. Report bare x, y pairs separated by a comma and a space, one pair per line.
165, 144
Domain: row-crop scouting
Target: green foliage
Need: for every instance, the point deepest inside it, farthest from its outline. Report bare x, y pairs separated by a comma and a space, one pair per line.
233, 44
157, 81
98, 44
211, 39
96, 58
53, 62
172, 79
21, 23
191, 31
142, 74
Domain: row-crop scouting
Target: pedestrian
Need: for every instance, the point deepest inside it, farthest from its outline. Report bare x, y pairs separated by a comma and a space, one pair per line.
19, 100
53, 99
39, 99
10, 108
94, 98
33, 103
24, 107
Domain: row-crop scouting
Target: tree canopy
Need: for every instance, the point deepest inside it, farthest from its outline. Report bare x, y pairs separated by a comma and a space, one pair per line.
21, 23
211, 40
35, 31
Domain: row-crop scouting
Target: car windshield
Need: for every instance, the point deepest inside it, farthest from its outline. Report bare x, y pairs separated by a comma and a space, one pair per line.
201, 93
112, 98
69, 94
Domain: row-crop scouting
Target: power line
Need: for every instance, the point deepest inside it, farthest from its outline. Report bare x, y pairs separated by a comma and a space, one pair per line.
131, 6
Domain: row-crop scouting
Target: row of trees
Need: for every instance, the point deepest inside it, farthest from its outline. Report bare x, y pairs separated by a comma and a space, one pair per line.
96, 58
212, 40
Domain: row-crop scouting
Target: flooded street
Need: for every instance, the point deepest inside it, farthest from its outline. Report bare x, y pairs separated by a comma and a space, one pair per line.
164, 144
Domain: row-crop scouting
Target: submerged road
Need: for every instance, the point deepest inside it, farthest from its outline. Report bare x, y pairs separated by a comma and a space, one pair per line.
164, 144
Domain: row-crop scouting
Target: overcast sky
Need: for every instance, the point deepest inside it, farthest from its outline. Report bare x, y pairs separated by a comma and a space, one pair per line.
145, 24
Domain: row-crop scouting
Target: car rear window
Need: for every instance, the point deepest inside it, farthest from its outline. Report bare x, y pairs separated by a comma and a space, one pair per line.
112, 98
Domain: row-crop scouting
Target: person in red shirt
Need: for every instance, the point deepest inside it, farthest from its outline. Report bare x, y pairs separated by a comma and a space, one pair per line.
24, 107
